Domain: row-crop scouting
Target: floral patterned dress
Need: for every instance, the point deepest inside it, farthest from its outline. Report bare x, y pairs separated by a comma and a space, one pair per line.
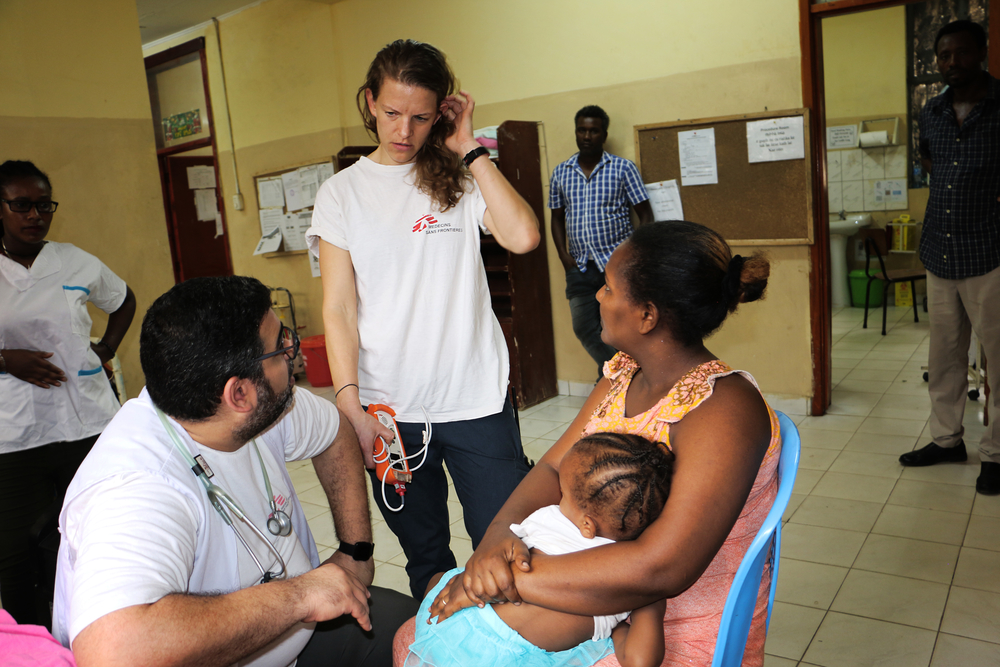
691, 623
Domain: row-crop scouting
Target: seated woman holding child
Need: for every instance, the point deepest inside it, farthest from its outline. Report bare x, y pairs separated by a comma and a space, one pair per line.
668, 287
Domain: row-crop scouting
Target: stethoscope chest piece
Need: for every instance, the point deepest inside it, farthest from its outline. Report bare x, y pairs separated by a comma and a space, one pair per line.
279, 524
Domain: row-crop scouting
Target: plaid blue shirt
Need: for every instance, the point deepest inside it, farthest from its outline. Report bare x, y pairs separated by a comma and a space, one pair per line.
961, 235
597, 218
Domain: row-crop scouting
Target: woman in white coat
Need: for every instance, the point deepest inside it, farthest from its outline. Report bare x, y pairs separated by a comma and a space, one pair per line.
54, 396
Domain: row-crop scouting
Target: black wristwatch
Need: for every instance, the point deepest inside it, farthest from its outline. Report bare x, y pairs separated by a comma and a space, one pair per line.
361, 551
473, 154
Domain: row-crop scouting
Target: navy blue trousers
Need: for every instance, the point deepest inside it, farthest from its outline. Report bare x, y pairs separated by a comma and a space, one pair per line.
486, 462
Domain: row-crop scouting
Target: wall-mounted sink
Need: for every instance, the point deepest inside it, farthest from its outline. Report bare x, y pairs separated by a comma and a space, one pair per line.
850, 224
840, 229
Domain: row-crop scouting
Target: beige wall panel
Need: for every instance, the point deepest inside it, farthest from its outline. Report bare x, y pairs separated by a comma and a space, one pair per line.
105, 178
291, 272
70, 58
520, 48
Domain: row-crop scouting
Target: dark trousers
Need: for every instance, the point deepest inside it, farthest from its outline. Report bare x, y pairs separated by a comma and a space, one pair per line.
33, 483
581, 290
486, 462
341, 641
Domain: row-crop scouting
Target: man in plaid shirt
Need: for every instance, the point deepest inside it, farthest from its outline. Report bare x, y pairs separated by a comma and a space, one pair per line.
589, 195
960, 245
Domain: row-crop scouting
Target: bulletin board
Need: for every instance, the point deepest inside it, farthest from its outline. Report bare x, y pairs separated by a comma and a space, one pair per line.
759, 203
285, 197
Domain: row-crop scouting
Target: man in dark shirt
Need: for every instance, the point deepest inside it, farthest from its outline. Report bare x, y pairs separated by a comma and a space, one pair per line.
960, 245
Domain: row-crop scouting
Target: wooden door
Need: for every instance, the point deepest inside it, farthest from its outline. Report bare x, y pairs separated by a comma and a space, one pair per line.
197, 249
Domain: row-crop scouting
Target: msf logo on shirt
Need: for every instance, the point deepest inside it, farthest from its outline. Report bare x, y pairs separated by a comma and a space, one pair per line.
422, 223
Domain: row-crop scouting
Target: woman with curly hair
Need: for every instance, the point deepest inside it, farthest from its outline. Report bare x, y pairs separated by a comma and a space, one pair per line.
406, 304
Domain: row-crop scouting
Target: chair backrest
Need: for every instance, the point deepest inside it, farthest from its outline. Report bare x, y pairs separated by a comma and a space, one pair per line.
766, 546
876, 243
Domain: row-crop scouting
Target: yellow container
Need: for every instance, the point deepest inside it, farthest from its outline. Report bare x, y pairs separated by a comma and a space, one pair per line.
904, 295
900, 240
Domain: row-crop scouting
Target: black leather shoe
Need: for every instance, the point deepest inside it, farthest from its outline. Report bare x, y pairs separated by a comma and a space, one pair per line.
931, 454
988, 483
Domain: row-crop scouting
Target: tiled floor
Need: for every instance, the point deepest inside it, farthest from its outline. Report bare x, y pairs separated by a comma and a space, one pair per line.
881, 565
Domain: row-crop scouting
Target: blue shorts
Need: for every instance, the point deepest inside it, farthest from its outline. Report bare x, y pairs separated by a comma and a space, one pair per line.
477, 636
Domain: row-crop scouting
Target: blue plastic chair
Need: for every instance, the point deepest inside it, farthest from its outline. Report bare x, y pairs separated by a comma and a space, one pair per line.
766, 546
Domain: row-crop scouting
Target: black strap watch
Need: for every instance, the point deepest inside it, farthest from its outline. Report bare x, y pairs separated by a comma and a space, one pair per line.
361, 551
471, 156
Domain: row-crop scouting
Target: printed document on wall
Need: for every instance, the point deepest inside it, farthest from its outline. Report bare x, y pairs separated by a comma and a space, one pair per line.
774, 139
269, 242
665, 198
271, 193
205, 204
697, 154
270, 218
201, 177
294, 230
293, 191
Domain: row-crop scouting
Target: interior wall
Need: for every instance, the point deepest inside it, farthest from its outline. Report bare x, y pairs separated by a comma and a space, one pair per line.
292, 68
870, 82
81, 113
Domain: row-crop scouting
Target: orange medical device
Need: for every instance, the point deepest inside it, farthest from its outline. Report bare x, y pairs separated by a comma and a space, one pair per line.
391, 465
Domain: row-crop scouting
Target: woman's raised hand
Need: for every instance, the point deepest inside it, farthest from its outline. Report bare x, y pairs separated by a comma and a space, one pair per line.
33, 366
458, 109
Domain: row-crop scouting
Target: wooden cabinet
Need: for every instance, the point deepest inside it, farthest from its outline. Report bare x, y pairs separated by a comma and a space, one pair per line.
519, 284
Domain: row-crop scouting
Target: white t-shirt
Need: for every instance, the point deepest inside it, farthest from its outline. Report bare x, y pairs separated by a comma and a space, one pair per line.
428, 336
45, 308
551, 532
138, 525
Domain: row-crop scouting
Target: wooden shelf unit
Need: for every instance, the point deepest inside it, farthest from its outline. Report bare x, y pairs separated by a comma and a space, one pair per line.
519, 284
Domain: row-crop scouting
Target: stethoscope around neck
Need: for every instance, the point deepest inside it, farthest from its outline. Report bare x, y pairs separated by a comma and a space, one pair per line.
279, 523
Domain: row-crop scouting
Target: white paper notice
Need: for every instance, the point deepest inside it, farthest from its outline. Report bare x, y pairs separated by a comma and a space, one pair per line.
697, 153
842, 136
892, 193
325, 172
271, 193
218, 225
201, 177
665, 198
269, 242
270, 218
293, 191
294, 230
775, 139
309, 180
314, 265
205, 203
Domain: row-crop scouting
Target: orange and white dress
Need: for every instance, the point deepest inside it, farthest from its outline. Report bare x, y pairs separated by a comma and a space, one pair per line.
691, 623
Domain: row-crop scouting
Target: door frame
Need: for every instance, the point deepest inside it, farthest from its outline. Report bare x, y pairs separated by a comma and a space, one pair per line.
163, 154
811, 15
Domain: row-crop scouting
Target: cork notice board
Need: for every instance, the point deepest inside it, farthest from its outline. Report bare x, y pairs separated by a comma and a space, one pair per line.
761, 203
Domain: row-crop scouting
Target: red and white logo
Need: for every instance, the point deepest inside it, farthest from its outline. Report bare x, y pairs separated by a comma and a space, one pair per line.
422, 223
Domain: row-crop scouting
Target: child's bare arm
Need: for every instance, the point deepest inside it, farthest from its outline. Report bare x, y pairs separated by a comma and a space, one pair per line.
641, 644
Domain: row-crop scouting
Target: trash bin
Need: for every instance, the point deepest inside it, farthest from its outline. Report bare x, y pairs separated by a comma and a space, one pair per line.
317, 365
858, 282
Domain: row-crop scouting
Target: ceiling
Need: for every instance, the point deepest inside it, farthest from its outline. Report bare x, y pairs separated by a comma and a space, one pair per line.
160, 18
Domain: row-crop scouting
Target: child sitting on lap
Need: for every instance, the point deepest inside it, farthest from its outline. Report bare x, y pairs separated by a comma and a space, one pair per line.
613, 486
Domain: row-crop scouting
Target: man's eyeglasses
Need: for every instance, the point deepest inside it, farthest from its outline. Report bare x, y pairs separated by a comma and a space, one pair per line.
289, 345
22, 206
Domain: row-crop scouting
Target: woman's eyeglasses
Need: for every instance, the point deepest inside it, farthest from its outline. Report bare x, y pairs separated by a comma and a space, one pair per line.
22, 206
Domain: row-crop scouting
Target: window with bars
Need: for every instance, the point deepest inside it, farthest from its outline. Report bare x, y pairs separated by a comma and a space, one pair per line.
923, 20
